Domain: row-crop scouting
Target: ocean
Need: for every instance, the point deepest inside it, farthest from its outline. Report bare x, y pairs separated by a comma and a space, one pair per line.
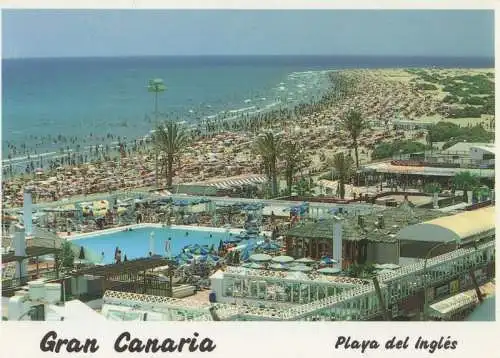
90, 97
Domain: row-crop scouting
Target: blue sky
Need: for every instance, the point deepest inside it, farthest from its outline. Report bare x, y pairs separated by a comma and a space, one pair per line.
81, 33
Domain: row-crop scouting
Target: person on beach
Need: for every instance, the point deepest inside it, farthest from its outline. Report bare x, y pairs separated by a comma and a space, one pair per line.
168, 247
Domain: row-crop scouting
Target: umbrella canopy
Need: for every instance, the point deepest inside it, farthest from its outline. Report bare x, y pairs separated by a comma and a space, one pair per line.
278, 267
282, 259
245, 255
270, 246
305, 260
253, 265
260, 258
82, 253
328, 261
300, 268
329, 271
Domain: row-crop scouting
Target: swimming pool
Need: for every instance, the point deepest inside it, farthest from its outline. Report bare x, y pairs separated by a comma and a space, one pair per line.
136, 243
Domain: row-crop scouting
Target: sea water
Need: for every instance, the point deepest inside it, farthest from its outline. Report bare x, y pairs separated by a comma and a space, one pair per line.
90, 97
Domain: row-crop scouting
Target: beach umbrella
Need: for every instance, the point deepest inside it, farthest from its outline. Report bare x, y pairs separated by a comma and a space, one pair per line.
327, 261
82, 253
253, 265
245, 255
282, 259
278, 267
301, 268
260, 258
197, 251
183, 257
269, 246
305, 260
329, 271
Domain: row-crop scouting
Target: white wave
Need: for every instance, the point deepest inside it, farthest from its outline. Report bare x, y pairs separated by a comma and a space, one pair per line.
271, 105
282, 88
247, 101
241, 109
32, 157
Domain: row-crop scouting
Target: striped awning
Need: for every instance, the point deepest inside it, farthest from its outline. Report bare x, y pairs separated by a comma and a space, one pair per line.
231, 183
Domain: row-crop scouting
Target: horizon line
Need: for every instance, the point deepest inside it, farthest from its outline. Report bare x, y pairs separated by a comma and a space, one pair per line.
249, 55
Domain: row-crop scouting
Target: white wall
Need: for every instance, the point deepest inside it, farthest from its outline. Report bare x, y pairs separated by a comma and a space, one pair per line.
477, 154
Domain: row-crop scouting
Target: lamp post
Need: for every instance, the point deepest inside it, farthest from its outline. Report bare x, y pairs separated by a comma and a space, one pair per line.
426, 303
156, 86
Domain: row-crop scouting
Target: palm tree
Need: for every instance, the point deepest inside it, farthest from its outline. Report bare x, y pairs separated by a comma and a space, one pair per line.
268, 146
293, 159
465, 181
343, 167
354, 124
169, 139
156, 86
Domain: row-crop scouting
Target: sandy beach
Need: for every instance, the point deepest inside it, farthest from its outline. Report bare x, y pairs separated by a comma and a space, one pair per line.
381, 96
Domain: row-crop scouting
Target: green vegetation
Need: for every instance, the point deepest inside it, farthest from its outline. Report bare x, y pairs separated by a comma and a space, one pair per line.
170, 139
361, 270
426, 87
303, 187
465, 181
470, 95
269, 146
294, 160
453, 134
354, 125
432, 188
344, 167
387, 150
66, 257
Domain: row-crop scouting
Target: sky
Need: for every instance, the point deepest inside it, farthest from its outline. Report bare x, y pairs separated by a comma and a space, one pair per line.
95, 33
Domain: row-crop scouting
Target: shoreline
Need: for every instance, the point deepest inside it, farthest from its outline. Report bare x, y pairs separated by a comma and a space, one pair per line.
226, 151
194, 117
222, 115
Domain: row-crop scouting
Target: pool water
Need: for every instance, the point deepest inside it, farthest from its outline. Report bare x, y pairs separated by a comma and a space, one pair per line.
136, 243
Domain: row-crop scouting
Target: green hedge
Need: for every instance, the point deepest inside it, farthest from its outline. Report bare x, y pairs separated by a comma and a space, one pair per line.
387, 150
450, 132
